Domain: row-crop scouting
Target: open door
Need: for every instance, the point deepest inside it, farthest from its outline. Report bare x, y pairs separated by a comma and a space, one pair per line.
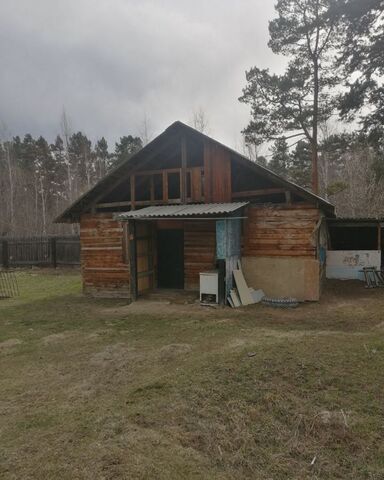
170, 258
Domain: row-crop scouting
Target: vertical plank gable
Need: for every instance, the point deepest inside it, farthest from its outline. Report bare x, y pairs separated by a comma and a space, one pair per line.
217, 174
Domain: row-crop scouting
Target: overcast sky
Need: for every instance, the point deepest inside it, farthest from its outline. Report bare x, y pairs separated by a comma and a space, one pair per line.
110, 63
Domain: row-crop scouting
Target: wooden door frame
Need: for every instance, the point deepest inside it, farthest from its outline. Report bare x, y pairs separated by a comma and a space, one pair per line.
132, 256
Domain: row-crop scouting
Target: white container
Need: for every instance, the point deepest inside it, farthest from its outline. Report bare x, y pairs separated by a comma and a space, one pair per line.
209, 287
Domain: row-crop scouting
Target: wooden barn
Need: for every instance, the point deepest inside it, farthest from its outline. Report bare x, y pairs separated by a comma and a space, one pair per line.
185, 202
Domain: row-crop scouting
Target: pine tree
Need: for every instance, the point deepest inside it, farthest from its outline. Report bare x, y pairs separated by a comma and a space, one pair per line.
362, 61
82, 165
294, 103
300, 165
279, 162
45, 172
102, 157
125, 148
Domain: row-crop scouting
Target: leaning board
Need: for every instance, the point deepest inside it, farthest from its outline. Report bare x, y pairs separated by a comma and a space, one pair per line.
242, 288
235, 299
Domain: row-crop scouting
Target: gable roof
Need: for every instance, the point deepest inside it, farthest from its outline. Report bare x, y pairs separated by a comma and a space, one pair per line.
176, 129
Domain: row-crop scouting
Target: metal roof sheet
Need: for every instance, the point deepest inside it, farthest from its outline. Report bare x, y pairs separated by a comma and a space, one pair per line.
191, 210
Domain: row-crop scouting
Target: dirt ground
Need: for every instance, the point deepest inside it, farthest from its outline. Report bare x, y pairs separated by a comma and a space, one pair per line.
168, 389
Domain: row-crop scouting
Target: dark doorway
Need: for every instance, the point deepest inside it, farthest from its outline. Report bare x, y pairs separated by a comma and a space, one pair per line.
170, 258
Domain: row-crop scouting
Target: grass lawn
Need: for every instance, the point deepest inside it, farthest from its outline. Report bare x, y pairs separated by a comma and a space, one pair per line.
96, 389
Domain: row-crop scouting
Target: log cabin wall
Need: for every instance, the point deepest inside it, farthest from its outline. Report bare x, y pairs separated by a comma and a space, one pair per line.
280, 250
104, 271
199, 251
281, 231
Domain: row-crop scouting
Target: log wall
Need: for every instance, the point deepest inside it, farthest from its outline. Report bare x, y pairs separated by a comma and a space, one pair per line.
199, 251
281, 231
104, 271
275, 231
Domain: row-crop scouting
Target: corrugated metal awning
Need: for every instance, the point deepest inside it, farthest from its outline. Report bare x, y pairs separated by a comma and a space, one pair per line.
183, 211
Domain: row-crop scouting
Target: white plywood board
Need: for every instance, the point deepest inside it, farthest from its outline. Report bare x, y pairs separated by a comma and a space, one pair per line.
242, 288
235, 298
257, 295
345, 264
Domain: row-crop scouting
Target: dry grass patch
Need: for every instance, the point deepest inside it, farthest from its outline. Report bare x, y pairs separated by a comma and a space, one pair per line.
94, 389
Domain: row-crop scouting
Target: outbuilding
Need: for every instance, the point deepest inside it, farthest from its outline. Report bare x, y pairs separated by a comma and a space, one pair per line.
186, 202
354, 244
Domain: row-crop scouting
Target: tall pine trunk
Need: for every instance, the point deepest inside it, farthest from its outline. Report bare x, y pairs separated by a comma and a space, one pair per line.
314, 143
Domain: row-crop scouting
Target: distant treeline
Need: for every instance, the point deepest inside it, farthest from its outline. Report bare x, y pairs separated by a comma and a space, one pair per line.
38, 180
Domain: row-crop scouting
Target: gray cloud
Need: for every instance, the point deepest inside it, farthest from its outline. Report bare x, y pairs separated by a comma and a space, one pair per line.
111, 62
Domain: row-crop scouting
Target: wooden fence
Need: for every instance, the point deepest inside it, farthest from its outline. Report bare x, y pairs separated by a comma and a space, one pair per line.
39, 251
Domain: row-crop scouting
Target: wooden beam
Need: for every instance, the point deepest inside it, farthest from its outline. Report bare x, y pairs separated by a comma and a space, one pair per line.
275, 179
207, 172
113, 204
152, 188
165, 186
146, 173
132, 182
147, 273
141, 203
196, 192
132, 260
257, 193
288, 197
123, 176
196, 173
183, 172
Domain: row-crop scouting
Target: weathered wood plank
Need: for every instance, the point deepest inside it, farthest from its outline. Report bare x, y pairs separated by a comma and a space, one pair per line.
183, 171
199, 251
221, 179
196, 185
103, 269
165, 186
132, 180
276, 231
257, 193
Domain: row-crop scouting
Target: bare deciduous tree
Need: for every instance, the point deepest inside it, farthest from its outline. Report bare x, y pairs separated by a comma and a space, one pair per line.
145, 130
353, 185
66, 133
200, 121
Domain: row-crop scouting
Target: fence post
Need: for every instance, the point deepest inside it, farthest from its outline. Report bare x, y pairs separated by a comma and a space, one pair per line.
5, 254
53, 252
